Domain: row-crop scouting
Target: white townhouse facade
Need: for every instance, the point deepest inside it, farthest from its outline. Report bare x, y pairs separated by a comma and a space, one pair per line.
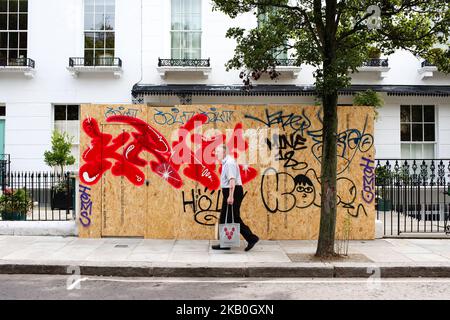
56, 55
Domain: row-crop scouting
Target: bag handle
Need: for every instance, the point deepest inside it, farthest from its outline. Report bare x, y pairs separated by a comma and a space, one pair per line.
232, 214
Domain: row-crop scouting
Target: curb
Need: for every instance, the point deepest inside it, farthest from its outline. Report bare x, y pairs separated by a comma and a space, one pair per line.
39, 228
232, 272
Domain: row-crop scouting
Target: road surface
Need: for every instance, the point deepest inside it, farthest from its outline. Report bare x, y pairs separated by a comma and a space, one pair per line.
65, 287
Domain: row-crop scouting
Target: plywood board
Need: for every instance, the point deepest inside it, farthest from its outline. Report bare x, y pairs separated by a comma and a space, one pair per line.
284, 147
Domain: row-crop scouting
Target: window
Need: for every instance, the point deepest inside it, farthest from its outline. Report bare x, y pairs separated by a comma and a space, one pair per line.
418, 131
263, 18
67, 120
13, 30
99, 36
186, 29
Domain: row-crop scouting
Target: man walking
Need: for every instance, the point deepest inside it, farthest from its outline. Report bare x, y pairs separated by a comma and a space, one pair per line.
233, 193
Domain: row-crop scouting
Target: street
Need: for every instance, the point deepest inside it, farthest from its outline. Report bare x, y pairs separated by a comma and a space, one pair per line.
55, 287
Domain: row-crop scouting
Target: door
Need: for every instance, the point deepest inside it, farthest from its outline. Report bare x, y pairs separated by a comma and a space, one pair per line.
124, 204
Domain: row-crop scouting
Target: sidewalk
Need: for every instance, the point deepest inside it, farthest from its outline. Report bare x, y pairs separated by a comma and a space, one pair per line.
194, 258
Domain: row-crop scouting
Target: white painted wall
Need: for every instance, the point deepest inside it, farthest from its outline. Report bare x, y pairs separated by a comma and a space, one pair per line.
56, 33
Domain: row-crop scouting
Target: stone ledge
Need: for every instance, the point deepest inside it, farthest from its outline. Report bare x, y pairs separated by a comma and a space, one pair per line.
326, 271
38, 228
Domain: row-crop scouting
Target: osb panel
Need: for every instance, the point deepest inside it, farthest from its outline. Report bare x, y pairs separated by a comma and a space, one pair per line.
282, 202
89, 226
122, 202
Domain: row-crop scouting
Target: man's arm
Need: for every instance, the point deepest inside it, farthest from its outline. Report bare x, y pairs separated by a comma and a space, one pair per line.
231, 196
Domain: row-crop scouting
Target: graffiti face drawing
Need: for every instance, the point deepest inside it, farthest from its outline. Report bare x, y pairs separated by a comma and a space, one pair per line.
305, 191
346, 193
282, 192
349, 143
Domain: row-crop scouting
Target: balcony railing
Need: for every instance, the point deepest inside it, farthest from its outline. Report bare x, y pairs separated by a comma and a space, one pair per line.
286, 62
95, 62
17, 62
184, 63
426, 63
376, 63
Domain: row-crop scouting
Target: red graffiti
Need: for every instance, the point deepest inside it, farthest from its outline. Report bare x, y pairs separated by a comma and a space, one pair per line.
199, 158
200, 167
102, 150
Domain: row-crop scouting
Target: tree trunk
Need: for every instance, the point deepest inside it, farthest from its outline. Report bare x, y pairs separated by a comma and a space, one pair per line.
325, 247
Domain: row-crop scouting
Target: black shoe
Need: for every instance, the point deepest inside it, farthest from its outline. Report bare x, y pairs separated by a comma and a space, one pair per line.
218, 247
250, 245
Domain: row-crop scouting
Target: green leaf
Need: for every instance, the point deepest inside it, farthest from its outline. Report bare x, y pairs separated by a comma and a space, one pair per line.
60, 154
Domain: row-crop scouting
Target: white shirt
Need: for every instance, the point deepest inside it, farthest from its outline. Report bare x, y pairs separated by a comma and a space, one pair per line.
230, 170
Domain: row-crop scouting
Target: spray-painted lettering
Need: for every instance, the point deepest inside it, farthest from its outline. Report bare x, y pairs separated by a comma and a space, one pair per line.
85, 206
368, 191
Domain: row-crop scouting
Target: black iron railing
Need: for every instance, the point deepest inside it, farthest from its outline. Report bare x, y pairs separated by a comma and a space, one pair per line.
285, 62
184, 62
426, 63
17, 62
38, 196
95, 62
5, 165
376, 63
413, 196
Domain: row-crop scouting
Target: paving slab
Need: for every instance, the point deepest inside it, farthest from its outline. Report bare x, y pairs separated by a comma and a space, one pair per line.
426, 257
147, 257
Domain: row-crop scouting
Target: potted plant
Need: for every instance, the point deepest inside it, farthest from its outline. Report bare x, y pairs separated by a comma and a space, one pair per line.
373, 53
59, 157
15, 204
369, 98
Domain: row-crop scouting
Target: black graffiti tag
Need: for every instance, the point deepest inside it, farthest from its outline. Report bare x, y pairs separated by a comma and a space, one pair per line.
290, 192
296, 122
205, 204
287, 146
349, 142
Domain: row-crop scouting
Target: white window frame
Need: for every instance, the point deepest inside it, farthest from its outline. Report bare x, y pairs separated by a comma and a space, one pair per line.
200, 32
422, 143
262, 18
76, 142
97, 31
18, 31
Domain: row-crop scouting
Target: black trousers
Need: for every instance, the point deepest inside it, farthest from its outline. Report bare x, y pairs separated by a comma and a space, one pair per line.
248, 235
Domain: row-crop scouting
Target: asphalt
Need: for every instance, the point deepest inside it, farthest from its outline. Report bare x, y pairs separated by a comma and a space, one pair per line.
219, 291
118, 257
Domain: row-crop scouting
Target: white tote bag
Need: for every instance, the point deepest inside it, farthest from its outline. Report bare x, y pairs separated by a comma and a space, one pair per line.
229, 233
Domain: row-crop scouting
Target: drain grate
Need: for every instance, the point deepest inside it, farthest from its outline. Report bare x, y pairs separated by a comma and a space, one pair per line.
121, 246
310, 257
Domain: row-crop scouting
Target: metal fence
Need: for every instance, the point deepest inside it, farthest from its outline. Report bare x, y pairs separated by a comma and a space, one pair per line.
37, 196
95, 62
376, 63
5, 163
413, 196
17, 62
184, 62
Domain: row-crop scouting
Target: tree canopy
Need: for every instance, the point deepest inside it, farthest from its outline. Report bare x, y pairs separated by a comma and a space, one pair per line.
336, 37
311, 28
